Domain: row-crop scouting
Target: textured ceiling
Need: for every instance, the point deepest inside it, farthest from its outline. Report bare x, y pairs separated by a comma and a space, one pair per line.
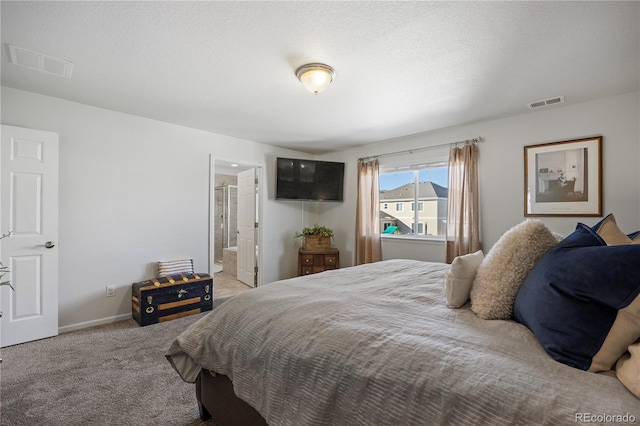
402, 67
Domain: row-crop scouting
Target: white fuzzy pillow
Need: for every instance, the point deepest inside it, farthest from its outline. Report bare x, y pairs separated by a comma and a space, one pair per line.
506, 266
459, 278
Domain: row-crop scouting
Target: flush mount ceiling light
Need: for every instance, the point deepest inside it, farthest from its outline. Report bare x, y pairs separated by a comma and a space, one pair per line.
315, 77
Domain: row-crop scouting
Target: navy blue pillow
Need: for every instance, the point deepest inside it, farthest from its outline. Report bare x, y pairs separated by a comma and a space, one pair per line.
572, 297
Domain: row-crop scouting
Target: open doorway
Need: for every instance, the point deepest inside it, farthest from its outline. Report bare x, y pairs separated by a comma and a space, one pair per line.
228, 229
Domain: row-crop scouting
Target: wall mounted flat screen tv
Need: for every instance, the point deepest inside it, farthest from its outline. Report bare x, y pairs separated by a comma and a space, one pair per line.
309, 180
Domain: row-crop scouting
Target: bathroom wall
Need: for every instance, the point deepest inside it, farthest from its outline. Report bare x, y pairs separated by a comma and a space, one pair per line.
224, 180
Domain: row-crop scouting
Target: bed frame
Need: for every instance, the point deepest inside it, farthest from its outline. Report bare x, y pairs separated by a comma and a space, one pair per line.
216, 399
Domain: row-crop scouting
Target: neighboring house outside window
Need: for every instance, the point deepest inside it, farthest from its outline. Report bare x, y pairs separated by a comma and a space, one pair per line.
431, 199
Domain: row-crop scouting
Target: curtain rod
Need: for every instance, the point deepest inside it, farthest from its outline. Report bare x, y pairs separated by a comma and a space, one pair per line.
411, 151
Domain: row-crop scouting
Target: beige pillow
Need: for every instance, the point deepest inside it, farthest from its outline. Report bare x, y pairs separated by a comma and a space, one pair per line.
612, 235
459, 278
628, 369
506, 266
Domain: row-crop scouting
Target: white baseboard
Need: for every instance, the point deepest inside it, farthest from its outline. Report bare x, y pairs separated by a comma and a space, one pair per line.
93, 323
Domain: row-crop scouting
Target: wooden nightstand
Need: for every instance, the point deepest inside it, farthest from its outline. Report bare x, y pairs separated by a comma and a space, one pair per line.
314, 261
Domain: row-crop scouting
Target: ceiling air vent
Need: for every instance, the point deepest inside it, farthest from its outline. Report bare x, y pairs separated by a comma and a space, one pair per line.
546, 102
39, 62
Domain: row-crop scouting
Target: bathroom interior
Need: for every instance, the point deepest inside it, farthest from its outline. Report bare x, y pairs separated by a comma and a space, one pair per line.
226, 224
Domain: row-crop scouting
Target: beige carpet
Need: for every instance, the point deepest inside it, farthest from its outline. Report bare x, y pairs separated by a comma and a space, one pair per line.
114, 374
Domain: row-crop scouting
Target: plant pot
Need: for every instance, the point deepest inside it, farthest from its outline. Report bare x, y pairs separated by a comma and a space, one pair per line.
316, 242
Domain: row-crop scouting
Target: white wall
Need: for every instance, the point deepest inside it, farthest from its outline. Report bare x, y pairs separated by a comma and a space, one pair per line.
502, 168
134, 191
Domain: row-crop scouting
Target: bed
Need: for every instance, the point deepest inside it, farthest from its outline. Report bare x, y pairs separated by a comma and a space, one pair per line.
376, 345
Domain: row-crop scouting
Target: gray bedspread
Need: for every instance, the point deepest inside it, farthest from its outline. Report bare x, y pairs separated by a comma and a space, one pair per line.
376, 345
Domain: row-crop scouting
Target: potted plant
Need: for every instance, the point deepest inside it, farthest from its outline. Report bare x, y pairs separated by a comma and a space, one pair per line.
316, 237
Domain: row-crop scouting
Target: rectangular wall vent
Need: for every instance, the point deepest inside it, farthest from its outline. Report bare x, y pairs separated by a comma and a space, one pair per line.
39, 62
546, 102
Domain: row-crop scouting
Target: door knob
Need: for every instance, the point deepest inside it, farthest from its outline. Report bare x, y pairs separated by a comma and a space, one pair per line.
49, 244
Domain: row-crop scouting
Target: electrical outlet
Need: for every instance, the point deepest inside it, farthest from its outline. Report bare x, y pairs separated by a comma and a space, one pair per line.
111, 290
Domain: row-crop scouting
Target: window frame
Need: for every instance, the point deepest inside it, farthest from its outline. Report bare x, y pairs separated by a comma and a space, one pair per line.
437, 162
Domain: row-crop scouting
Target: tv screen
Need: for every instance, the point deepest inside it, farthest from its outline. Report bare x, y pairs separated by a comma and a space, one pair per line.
309, 180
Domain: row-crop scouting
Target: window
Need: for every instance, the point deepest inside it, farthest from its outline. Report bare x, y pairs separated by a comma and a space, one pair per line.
420, 206
420, 228
423, 186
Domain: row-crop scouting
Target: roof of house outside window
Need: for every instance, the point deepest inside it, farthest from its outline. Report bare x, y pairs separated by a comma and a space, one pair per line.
387, 216
425, 190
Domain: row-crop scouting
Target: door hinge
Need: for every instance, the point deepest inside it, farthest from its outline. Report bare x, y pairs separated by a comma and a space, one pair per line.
256, 225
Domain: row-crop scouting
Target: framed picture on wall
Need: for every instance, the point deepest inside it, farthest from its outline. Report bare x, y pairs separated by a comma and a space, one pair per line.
563, 178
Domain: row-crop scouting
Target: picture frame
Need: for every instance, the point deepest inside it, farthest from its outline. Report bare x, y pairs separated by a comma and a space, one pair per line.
563, 178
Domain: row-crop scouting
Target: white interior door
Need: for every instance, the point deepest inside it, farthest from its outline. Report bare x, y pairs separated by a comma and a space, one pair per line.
29, 209
247, 184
